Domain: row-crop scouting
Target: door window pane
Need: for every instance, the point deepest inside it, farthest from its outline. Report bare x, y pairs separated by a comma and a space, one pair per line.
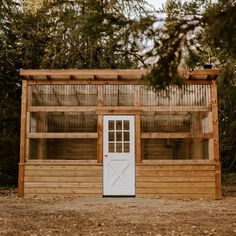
119, 125
111, 147
111, 124
118, 136
126, 136
118, 147
126, 125
126, 147
111, 136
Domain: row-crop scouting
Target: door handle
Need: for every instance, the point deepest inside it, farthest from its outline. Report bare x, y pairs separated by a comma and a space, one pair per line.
105, 155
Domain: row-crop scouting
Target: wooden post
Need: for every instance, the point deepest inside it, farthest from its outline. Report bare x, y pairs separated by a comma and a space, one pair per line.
218, 193
27, 135
138, 139
22, 139
100, 95
197, 145
100, 139
137, 103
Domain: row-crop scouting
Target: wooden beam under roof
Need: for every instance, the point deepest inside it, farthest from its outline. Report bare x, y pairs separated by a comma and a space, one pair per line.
83, 74
108, 74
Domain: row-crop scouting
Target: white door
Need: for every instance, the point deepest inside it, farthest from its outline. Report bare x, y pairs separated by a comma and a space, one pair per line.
118, 156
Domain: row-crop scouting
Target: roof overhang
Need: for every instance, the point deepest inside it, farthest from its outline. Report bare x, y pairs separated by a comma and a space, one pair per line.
107, 74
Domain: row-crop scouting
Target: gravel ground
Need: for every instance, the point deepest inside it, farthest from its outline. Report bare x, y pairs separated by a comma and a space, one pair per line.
115, 216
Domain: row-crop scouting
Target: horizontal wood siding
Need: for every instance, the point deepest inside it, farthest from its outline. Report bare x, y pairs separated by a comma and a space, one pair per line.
176, 181
183, 181
50, 179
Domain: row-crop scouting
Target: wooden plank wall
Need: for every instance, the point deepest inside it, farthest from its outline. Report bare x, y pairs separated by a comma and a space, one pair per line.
179, 181
185, 181
63, 179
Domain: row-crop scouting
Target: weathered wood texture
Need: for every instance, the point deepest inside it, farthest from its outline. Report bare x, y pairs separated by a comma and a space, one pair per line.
22, 139
73, 74
152, 180
191, 181
82, 180
216, 150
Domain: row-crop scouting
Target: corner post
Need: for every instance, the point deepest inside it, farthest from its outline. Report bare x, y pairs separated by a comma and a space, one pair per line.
218, 193
22, 139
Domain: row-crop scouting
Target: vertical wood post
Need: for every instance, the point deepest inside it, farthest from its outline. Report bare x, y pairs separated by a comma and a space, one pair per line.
100, 139
27, 136
218, 193
197, 145
138, 139
22, 139
100, 95
137, 103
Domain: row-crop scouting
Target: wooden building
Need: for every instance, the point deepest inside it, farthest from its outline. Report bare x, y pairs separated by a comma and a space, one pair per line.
104, 133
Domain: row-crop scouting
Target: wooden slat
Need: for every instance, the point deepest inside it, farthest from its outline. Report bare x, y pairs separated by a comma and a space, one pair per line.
63, 190
94, 173
62, 135
175, 173
177, 195
175, 185
177, 162
176, 179
175, 167
71, 195
123, 109
63, 184
177, 135
63, 167
176, 190
80, 179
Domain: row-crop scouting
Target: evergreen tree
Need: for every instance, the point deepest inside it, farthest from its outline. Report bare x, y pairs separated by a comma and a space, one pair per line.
9, 93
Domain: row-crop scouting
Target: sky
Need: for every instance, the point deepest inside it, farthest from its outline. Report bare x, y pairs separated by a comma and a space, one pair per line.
156, 3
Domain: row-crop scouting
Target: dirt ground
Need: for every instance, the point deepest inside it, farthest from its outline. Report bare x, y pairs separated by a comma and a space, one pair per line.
116, 216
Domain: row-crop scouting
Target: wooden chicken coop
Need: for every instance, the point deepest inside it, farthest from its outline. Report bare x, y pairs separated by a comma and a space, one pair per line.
104, 133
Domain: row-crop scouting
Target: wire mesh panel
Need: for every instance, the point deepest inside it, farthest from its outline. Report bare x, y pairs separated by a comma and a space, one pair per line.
64, 95
180, 122
189, 122
186, 95
63, 122
174, 149
118, 95
63, 149
176, 122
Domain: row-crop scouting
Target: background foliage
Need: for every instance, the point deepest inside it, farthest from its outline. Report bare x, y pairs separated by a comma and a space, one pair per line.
115, 34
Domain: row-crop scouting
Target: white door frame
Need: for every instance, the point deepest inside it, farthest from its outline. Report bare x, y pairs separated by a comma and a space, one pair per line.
118, 155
